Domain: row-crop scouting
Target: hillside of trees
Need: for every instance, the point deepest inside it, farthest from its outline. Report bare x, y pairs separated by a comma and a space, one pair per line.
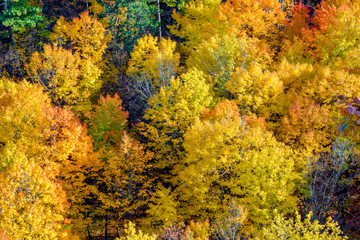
179, 119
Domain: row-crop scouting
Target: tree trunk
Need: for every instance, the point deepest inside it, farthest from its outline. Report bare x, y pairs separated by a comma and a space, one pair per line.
106, 226
89, 232
159, 18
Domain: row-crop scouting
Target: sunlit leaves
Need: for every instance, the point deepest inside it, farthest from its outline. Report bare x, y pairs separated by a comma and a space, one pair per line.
31, 204
307, 126
170, 112
218, 57
307, 229
88, 38
229, 155
57, 69
152, 64
255, 90
199, 22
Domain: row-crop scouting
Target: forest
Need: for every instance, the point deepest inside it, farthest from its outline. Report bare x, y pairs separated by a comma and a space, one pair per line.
179, 119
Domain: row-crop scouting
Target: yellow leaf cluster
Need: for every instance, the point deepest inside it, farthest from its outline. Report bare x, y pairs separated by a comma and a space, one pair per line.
170, 112
200, 22
154, 61
256, 90
57, 70
89, 39
307, 230
31, 205
133, 234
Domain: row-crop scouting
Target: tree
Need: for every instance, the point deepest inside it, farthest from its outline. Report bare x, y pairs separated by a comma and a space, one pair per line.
123, 183
18, 16
58, 71
23, 124
318, 83
170, 112
328, 37
152, 64
307, 126
131, 20
31, 204
219, 57
88, 37
52, 138
162, 207
107, 122
330, 176
44, 133
229, 226
255, 90
132, 234
202, 20
230, 156
306, 230
260, 19
199, 21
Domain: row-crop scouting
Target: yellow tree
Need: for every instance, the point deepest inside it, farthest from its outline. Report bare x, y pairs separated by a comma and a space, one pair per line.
23, 124
170, 112
204, 19
218, 57
42, 132
199, 22
57, 70
320, 84
88, 37
296, 229
51, 137
255, 90
152, 64
123, 184
230, 156
32, 205
133, 234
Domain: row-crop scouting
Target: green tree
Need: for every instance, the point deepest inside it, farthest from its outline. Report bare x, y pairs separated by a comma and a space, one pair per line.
18, 15
107, 122
130, 20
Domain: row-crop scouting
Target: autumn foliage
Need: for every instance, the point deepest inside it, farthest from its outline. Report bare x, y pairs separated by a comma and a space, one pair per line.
187, 119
